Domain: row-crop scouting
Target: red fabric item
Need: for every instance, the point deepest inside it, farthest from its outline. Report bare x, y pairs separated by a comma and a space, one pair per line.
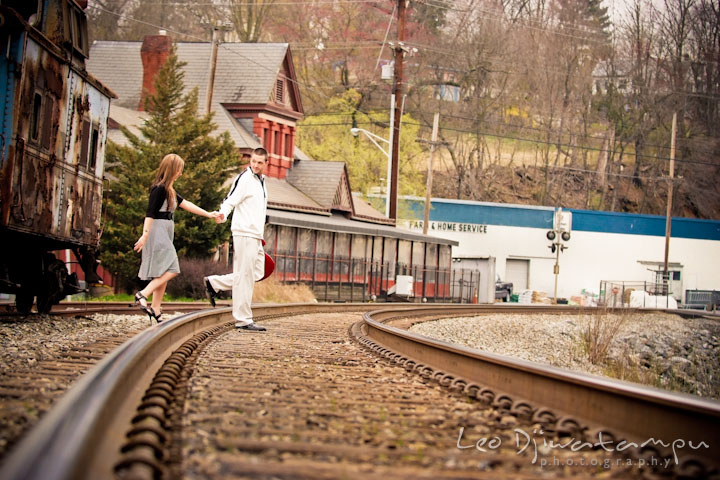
269, 264
269, 267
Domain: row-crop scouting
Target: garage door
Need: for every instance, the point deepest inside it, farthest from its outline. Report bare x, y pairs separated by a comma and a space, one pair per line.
516, 271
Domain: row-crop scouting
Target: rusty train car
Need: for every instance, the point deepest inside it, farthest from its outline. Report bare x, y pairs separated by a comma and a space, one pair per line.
54, 123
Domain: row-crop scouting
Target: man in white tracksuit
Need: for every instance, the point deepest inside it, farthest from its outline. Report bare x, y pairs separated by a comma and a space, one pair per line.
248, 199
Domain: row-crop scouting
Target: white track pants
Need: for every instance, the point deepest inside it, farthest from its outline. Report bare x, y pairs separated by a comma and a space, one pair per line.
248, 267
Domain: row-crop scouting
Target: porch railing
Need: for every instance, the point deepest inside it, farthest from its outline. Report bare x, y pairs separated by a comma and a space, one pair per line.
342, 279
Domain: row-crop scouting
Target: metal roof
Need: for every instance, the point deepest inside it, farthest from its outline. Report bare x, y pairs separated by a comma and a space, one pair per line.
339, 223
245, 74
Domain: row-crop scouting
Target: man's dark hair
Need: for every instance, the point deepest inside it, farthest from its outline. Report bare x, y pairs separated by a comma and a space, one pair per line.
261, 152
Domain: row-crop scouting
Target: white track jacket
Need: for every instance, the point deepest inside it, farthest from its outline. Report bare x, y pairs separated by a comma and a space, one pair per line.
248, 199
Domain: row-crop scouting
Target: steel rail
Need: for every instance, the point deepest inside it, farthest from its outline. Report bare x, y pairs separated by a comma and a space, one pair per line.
623, 410
80, 437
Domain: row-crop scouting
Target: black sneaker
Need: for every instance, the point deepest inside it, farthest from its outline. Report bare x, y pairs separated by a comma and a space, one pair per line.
252, 327
210, 292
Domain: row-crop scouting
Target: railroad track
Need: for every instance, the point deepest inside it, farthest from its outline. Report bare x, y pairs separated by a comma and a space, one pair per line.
66, 309
193, 398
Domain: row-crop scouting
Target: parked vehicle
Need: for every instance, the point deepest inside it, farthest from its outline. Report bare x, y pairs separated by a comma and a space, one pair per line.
503, 290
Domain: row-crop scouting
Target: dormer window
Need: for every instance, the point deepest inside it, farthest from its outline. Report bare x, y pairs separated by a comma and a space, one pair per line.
279, 91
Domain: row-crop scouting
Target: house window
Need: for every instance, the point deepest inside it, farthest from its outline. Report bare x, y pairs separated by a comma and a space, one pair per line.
279, 91
288, 148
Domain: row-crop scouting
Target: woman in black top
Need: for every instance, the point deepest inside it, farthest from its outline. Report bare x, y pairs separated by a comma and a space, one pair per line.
159, 259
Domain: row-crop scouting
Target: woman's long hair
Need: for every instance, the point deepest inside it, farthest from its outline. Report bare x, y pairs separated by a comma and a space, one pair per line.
170, 166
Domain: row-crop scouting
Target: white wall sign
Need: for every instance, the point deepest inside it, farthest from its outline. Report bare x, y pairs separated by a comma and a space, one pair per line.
450, 227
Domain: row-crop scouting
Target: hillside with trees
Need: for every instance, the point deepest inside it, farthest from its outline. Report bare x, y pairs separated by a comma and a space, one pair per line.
543, 102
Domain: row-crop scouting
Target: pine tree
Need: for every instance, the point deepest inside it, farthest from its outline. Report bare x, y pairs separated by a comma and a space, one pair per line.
173, 126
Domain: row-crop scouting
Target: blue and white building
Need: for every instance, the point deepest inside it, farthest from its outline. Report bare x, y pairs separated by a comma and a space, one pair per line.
603, 246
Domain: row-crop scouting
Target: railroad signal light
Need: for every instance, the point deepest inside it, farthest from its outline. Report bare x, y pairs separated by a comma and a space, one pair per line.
562, 225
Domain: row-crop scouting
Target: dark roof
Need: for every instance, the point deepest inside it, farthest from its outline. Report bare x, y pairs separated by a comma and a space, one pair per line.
286, 197
245, 73
318, 179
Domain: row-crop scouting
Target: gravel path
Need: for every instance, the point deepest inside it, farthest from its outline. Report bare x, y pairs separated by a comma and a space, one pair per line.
25, 341
42, 356
663, 349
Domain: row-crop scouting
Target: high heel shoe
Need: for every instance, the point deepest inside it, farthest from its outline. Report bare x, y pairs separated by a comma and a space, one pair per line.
139, 297
151, 313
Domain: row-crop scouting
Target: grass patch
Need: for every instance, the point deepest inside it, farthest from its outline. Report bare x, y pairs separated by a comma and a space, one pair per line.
272, 290
598, 332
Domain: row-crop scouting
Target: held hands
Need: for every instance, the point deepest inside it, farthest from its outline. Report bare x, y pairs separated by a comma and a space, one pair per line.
219, 217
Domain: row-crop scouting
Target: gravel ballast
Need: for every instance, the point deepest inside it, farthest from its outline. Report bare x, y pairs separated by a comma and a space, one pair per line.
659, 349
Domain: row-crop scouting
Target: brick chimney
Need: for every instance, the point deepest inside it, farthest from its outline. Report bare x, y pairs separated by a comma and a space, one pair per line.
154, 52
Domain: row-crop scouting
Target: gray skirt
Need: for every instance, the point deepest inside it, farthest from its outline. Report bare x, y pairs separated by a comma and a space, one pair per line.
158, 254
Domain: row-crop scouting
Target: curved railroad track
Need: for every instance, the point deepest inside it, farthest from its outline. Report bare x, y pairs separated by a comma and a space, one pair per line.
193, 398
66, 309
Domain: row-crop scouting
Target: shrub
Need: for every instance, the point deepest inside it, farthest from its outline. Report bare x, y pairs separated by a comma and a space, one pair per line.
599, 332
190, 281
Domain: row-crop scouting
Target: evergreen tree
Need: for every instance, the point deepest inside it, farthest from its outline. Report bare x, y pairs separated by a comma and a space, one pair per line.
173, 126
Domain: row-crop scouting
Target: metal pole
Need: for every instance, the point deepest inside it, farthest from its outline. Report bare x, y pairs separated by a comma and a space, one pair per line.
668, 216
428, 187
397, 92
389, 177
557, 267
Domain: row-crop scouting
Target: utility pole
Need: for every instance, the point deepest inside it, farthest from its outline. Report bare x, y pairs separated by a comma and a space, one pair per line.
213, 66
668, 216
428, 186
399, 52
216, 29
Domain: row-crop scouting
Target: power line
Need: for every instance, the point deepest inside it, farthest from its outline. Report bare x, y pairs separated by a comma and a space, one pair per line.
322, 94
522, 139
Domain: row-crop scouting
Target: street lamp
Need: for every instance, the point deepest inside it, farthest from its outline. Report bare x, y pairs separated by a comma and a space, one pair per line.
374, 138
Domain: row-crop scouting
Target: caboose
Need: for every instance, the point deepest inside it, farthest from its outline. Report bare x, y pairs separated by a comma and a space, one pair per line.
53, 130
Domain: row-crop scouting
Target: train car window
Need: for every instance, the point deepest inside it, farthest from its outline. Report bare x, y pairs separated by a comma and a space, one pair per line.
36, 119
79, 32
48, 113
94, 138
75, 27
83, 160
